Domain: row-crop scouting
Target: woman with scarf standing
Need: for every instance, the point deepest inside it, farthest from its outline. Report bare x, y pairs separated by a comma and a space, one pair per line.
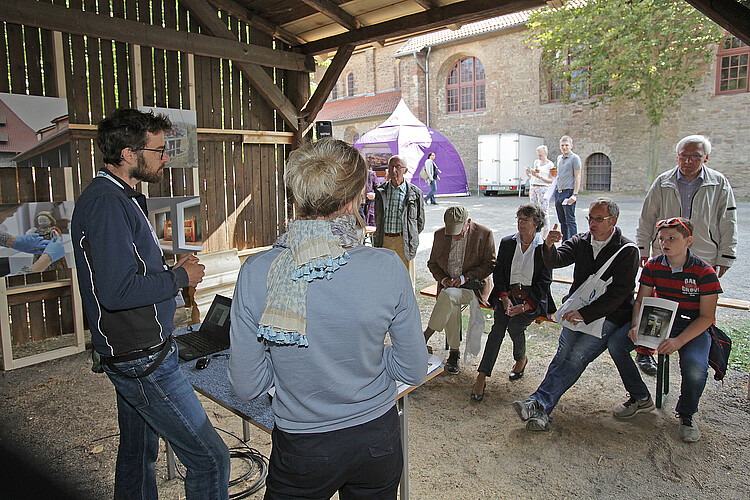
303, 322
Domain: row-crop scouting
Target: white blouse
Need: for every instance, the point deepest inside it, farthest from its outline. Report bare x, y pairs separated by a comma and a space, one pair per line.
522, 265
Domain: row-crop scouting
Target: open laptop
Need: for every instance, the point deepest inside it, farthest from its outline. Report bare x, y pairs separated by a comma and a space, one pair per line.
213, 335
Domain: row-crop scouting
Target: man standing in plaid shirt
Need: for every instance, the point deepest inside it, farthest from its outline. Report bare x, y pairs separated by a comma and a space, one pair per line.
399, 214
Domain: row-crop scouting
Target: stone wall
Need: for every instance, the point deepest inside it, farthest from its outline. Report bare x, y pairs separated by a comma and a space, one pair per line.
374, 69
516, 102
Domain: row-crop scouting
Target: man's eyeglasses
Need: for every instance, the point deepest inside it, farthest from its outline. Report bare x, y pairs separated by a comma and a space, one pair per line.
159, 150
692, 158
598, 220
673, 222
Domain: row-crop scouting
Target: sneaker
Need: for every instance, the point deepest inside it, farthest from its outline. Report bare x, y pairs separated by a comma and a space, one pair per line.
632, 406
539, 422
527, 409
646, 363
688, 430
451, 366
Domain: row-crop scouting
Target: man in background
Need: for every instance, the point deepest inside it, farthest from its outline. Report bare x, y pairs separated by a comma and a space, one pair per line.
568, 185
399, 214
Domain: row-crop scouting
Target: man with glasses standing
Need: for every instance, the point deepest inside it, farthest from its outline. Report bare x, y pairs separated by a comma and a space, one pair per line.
128, 293
704, 196
399, 214
589, 252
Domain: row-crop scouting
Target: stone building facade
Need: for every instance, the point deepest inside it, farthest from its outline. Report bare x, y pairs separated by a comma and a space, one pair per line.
517, 100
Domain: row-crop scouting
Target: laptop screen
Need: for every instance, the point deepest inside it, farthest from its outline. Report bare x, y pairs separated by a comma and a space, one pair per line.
217, 319
219, 314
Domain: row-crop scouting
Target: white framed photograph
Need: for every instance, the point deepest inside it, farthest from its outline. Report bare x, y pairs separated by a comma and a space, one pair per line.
655, 321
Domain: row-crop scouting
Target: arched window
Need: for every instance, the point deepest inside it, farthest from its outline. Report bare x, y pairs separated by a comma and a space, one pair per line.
598, 172
464, 87
350, 85
335, 92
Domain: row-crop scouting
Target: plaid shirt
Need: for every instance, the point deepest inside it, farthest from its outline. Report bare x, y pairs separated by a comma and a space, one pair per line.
394, 207
456, 257
687, 191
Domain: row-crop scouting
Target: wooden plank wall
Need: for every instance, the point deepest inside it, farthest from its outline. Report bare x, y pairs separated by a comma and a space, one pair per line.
244, 204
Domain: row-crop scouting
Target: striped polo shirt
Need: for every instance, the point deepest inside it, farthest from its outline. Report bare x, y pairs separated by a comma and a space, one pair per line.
685, 285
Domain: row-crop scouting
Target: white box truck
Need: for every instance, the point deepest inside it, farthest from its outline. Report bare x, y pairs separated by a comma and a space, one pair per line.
503, 159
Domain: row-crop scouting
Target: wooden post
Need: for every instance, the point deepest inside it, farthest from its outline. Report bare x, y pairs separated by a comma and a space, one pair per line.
5, 327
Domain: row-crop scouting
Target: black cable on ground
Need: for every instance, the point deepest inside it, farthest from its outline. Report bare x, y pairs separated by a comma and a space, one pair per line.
258, 466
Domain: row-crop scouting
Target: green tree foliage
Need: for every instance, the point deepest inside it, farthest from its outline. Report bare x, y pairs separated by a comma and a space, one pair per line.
647, 51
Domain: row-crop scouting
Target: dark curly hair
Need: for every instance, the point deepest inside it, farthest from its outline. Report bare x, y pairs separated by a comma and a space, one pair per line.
535, 212
126, 128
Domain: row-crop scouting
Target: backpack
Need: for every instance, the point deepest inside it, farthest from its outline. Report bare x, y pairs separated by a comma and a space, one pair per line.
718, 356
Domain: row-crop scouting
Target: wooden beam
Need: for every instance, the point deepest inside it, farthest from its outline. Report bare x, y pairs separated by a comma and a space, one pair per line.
461, 12
263, 83
76, 22
244, 14
426, 4
335, 13
326, 84
729, 14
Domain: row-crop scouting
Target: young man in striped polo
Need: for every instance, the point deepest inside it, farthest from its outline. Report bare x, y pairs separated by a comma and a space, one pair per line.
680, 276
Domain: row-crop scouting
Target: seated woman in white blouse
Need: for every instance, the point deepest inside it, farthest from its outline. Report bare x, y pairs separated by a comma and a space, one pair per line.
521, 293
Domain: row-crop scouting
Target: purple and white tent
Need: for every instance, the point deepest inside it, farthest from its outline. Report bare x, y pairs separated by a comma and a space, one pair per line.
404, 135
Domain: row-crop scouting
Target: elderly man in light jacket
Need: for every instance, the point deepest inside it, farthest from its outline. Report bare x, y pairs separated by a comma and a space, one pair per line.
699, 193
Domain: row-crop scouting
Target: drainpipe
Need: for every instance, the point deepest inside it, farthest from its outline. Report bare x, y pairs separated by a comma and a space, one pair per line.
426, 69
427, 83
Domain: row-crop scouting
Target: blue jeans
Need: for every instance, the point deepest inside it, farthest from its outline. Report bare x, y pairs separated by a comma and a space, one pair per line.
164, 403
693, 367
574, 353
566, 214
431, 195
516, 327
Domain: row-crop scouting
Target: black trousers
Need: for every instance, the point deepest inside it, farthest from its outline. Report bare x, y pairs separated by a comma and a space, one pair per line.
360, 462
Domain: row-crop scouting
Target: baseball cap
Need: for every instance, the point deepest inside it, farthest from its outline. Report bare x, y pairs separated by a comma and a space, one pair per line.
455, 218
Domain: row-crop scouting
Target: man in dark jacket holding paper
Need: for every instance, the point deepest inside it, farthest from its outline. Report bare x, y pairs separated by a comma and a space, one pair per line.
589, 251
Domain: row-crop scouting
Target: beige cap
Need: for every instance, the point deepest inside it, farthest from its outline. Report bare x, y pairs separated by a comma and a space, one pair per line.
455, 218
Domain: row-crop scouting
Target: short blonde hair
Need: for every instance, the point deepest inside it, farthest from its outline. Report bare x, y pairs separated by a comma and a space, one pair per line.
566, 138
324, 176
542, 149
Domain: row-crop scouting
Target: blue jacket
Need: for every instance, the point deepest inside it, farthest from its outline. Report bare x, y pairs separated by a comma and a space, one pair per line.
127, 289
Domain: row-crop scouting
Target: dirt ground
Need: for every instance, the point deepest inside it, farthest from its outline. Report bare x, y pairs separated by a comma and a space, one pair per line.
59, 433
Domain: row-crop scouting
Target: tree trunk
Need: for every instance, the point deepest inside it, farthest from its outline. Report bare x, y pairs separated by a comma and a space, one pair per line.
653, 153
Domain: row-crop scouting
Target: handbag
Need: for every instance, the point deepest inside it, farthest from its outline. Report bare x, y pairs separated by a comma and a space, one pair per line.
588, 292
718, 355
424, 175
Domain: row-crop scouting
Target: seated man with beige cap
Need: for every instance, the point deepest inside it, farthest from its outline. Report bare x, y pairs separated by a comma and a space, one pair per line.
461, 260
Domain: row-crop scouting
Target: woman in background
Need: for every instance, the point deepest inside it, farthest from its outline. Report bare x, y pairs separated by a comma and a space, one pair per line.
541, 176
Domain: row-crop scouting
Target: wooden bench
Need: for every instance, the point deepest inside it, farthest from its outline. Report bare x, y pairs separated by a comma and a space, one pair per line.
662, 364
